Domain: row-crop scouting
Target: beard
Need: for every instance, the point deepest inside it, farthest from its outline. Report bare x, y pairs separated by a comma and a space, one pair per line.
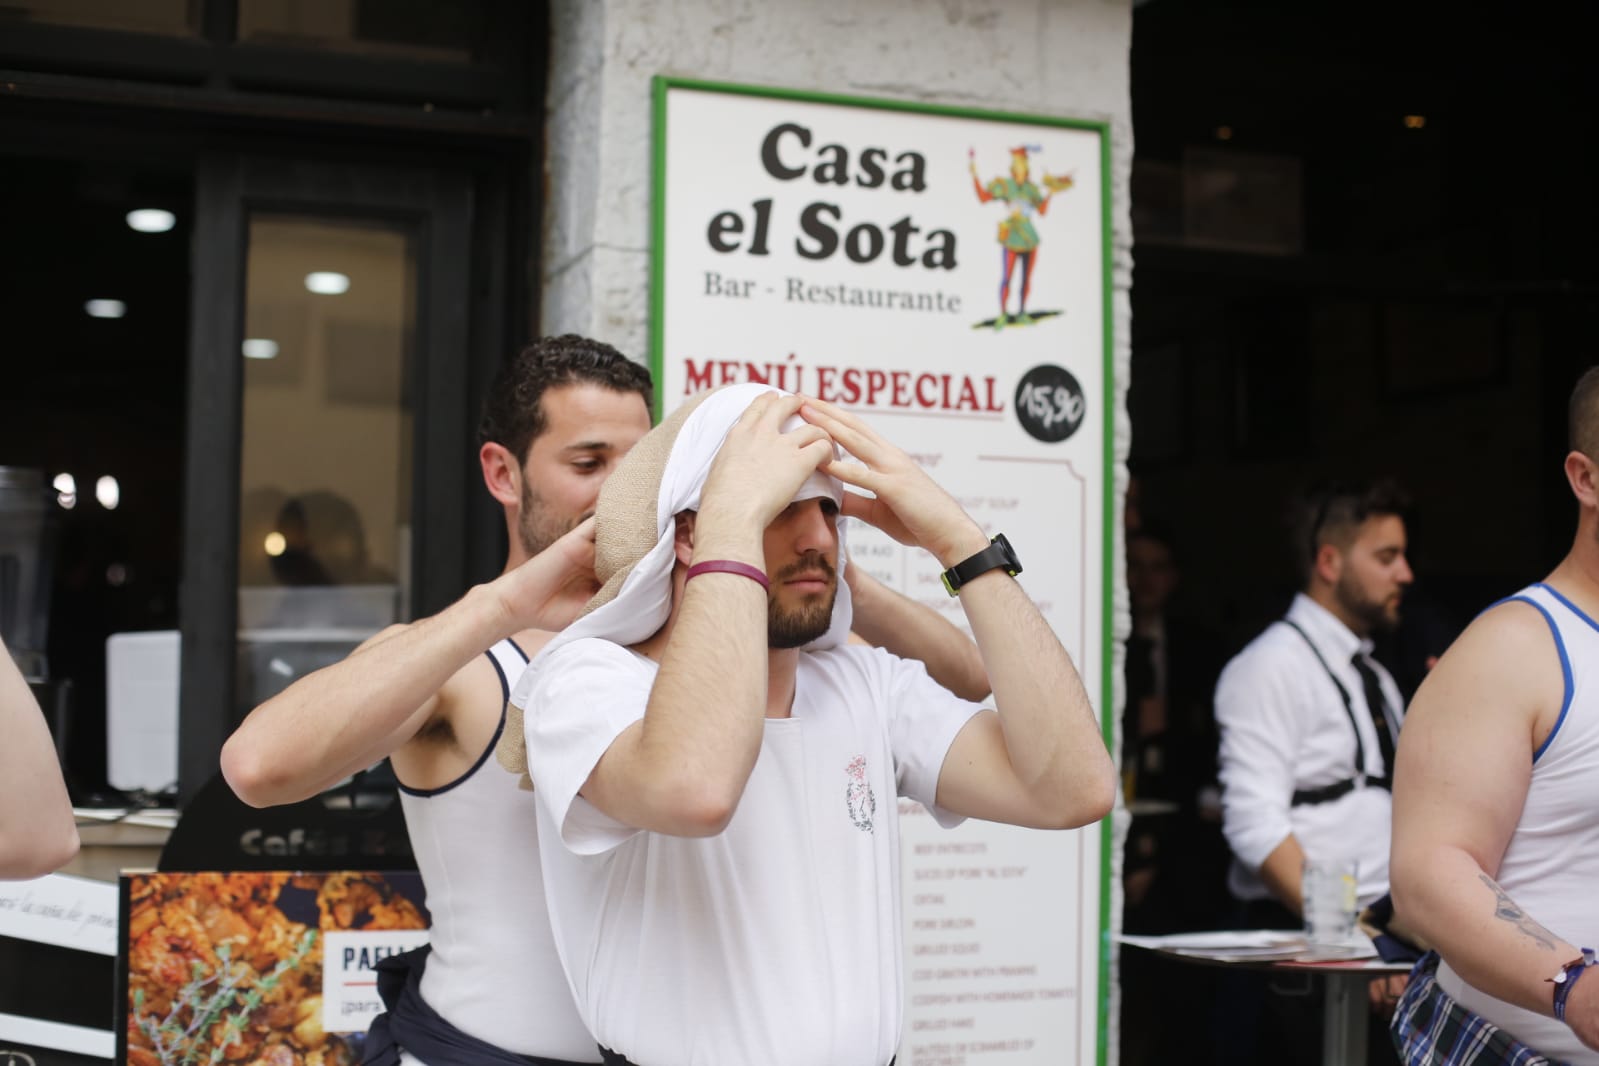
1378, 616
536, 526
796, 626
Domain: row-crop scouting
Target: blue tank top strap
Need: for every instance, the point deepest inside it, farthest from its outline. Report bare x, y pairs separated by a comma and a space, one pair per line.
1527, 596
508, 659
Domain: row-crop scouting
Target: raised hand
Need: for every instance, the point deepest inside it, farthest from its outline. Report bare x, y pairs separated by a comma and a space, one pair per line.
905, 504
549, 590
760, 467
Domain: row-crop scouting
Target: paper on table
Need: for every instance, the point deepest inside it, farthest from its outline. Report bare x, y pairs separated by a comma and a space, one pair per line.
1218, 939
1258, 944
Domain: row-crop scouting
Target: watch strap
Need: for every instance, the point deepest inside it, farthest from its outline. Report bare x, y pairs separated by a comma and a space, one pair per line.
998, 555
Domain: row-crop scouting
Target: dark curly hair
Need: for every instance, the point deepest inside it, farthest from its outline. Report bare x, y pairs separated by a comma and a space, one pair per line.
513, 410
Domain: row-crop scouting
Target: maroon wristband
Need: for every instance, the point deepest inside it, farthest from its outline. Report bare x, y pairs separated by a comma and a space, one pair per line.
729, 566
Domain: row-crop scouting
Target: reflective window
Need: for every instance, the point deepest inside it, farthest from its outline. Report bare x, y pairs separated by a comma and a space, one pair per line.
327, 438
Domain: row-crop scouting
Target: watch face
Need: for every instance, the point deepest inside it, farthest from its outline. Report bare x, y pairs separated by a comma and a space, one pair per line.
1010, 553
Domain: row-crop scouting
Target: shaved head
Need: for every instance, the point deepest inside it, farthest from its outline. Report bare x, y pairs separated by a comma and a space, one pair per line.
1582, 417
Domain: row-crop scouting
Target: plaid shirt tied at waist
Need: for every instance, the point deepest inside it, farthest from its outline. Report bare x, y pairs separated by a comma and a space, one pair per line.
1431, 1029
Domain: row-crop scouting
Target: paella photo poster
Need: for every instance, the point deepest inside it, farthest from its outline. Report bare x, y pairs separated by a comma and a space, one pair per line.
942, 273
263, 967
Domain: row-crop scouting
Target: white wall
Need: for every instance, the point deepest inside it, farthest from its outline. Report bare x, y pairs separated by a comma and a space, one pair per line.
1056, 57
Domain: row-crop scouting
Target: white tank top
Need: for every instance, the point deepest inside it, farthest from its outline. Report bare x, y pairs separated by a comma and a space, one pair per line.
493, 972
1552, 863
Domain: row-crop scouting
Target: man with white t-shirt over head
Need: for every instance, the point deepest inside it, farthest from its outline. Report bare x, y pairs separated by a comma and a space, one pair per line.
557, 419
717, 771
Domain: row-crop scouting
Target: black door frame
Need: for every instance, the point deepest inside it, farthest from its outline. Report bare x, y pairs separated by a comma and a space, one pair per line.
231, 188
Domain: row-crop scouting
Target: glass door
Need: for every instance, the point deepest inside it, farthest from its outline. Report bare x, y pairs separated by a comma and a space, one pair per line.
329, 425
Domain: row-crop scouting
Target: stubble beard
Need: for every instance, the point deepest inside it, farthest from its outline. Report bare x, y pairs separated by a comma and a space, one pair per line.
537, 528
795, 627
1376, 615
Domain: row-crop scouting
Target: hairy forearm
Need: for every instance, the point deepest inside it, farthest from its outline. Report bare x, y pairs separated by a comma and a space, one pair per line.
37, 832
1480, 931
704, 720
344, 717
1051, 736
703, 724
912, 631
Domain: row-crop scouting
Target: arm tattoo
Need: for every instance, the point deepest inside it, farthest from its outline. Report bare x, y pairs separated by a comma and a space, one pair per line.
1505, 909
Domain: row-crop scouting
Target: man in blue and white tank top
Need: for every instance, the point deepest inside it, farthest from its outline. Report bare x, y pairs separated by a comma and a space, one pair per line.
1496, 814
431, 697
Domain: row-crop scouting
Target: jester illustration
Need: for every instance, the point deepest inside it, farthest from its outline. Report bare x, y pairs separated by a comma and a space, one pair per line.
1018, 239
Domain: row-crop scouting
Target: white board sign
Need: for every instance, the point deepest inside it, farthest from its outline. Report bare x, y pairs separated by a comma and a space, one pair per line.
69, 912
349, 982
944, 274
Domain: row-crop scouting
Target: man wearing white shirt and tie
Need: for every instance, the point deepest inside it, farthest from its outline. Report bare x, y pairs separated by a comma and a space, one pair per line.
1308, 720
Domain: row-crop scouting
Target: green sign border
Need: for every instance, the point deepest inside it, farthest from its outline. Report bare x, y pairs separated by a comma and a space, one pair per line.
661, 85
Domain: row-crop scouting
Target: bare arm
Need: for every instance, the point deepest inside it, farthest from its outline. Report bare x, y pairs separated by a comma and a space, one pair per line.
1491, 698
347, 716
1041, 760
1261, 718
912, 631
37, 833
682, 769
1283, 873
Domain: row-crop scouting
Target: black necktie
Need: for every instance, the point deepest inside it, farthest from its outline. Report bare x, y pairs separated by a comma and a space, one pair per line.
1376, 703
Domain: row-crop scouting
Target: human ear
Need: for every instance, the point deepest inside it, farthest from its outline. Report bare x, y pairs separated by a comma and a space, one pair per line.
502, 474
1329, 563
1583, 477
683, 536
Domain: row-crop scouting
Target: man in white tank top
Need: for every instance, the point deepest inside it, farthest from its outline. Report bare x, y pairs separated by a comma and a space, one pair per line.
1496, 814
431, 697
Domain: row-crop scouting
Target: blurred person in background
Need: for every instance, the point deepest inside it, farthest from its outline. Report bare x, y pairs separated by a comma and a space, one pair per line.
1308, 721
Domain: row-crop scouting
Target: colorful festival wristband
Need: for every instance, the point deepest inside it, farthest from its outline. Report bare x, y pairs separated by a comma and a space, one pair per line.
729, 566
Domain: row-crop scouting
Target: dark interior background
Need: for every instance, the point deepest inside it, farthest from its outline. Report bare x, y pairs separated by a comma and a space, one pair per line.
1364, 246
108, 108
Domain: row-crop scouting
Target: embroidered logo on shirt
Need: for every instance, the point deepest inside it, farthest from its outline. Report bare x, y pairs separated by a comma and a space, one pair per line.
858, 794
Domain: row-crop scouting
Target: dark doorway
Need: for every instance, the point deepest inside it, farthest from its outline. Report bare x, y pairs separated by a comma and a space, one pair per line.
1363, 247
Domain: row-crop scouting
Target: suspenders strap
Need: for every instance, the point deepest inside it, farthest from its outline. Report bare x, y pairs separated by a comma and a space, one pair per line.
1338, 789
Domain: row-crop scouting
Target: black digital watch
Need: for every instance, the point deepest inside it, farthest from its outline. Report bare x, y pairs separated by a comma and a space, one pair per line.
998, 554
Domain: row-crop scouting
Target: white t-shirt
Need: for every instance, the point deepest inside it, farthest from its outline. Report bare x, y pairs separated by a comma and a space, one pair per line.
778, 940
